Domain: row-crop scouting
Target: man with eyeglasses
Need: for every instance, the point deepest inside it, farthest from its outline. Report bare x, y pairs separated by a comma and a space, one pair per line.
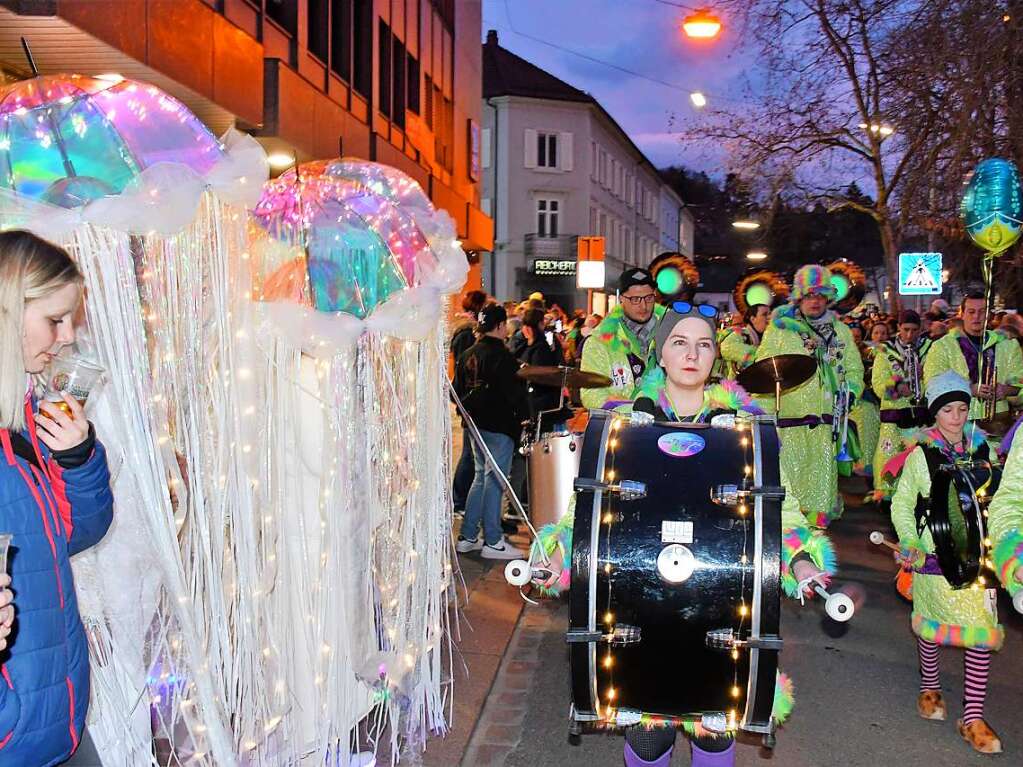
812, 422
622, 345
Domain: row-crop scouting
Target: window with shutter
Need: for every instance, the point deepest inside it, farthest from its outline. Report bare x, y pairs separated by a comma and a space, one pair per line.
530, 148
565, 140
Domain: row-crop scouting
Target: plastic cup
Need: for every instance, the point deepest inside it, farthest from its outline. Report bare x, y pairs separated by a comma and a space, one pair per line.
74, 376
5, 544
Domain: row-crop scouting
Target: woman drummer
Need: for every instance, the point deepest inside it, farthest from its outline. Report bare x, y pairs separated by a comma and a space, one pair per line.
686, 350
933, 533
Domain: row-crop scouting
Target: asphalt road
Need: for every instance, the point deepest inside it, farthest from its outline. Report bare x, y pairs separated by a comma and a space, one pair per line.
856, 684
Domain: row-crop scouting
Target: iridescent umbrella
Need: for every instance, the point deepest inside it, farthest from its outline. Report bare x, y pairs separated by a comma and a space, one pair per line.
359, 233
69, 139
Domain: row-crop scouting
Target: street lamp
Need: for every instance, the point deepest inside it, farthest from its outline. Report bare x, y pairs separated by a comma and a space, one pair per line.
702, 25
746, 224
878, 129
756, 255
698, 99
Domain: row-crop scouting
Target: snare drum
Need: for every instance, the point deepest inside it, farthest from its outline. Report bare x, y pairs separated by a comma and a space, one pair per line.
675, 595
553, 467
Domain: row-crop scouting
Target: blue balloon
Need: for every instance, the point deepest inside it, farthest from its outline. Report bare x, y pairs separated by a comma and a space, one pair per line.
992, 207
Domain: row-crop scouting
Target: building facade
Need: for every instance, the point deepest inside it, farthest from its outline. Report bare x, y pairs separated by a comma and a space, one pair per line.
677, 225
394, 81
556, 166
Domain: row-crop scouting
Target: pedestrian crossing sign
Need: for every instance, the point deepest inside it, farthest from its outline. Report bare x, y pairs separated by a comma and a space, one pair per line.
919, 274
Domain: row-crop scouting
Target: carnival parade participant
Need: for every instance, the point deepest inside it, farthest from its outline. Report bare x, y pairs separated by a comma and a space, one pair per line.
486, 383
810, 419
739, 345
621, 347
960, 614
897, 379
56, 502
962, 351
677, 390
463, 336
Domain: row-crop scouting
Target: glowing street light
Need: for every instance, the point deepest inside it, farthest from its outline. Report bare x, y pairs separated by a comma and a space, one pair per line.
879, 129
746, 224
756, 255
698, 99
702, 25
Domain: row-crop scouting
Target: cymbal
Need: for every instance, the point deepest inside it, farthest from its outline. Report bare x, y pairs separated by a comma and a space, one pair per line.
559, 375
789, 370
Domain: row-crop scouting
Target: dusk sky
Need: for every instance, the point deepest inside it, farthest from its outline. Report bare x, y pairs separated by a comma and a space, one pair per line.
643, 36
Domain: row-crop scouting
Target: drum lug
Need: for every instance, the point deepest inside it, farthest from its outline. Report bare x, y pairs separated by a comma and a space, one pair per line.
626, 490
573, 636
733, 495
726, 639
621, 635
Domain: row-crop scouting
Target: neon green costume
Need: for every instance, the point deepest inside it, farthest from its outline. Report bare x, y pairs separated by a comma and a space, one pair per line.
892, 366
1005, 519
947, 354
607, 352
941, 614
738, 349
808, 450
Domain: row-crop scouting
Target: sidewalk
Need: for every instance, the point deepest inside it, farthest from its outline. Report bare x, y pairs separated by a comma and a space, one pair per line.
486, 624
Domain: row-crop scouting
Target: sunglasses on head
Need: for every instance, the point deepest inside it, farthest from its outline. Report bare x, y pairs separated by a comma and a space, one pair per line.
684, 307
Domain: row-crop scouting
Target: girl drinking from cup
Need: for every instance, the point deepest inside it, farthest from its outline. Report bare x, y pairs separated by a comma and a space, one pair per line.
55, 501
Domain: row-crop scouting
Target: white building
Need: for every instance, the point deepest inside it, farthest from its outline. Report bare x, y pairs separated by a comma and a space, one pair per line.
556, 166
677, 225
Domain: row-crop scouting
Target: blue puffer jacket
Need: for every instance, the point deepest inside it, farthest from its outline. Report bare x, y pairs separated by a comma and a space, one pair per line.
51, 514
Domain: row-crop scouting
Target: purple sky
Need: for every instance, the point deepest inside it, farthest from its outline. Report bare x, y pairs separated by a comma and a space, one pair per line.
644, 36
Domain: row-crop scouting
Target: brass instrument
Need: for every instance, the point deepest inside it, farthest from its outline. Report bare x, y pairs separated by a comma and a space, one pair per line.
989, 377
840, 424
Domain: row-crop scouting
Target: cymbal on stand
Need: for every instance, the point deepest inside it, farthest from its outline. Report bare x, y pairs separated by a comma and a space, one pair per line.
781, 372
561, 375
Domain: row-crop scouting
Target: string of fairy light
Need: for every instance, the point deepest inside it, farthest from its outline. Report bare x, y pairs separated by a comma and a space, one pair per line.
608, 518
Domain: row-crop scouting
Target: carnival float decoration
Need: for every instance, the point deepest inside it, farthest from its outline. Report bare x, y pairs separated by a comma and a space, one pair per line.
352, 266
200, 635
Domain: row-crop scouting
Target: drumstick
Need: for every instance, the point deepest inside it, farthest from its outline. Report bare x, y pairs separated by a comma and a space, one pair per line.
878, 538
839, 607
518, 572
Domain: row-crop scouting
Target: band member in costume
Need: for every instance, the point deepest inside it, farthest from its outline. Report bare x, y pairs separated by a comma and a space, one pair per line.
961, 351
812, 414
739, 345
897, 379
676, 390
622, 345
944, 613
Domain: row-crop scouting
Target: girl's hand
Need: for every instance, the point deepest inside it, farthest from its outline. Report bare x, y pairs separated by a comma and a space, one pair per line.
1019, 574
6, 610
808, 571
56, 429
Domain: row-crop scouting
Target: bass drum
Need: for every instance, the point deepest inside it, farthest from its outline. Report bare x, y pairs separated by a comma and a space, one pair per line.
675, 594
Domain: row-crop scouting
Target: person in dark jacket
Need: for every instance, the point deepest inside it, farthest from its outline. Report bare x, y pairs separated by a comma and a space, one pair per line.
463, 337
541, 348
55, 501
495, 398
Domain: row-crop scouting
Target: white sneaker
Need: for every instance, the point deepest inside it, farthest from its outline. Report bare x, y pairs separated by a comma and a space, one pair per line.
465, 545
502, 550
